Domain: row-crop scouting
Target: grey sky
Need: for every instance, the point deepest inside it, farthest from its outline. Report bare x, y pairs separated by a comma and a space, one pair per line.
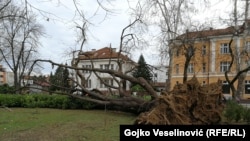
61, 33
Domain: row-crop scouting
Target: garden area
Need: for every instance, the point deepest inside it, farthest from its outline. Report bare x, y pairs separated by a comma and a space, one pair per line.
59, 117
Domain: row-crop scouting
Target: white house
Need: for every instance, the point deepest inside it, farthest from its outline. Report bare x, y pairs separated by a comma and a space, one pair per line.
160, 73
104, 58
160, 76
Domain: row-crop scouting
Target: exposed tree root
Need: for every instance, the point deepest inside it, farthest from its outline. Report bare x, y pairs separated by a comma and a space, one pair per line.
187, 104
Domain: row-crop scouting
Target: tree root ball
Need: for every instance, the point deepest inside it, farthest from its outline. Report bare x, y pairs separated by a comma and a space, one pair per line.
187, 104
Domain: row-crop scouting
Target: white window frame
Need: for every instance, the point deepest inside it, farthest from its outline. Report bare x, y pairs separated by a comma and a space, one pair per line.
204, 50
88, 84
190, 68
224, 48
86, 66
224, 66
204, 67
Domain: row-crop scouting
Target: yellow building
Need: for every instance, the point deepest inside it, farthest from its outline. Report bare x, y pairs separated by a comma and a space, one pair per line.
211, 57
2, 75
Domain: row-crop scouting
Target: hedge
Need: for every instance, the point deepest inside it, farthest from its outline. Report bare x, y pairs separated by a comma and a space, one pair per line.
44, 101
236, 112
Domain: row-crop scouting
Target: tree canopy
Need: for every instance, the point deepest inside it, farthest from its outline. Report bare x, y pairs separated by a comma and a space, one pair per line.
143, 70
60, 80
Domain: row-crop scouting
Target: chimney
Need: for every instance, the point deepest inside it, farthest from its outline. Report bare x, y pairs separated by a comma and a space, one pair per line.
114, 49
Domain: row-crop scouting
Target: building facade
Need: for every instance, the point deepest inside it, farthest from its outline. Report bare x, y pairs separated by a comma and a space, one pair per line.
104, 58
212, 56
3, 75
160, 77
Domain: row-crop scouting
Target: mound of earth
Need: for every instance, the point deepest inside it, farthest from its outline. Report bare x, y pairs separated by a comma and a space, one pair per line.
187, 104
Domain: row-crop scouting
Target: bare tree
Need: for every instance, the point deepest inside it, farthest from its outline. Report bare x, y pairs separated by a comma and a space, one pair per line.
3, 6
19, 41
171, 16
239, 53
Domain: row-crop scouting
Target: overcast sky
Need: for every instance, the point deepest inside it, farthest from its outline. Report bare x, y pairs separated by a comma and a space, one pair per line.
60, 30
61, 33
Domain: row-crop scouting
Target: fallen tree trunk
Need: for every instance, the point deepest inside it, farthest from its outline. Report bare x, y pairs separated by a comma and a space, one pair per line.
188, 103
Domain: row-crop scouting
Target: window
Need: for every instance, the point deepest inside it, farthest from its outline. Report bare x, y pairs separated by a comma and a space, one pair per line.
108, 81
224, 49
86, 66
190, 68
203, 50
88, 84
177, 68
177, 52
83, 71
247, 87
107, 66
203, 83
225, 87
112, 66
247, 46
203, 67
224, 66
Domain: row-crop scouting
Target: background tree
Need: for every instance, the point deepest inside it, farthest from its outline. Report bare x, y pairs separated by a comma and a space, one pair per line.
19, 41
52, 87
66, 79
3, 7
60, 80
142, 70
173, 18
239, 53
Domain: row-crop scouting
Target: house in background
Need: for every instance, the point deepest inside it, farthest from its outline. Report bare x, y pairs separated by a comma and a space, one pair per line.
3, 75
35, 85
211, 56
10, 78
104, 58
160, 77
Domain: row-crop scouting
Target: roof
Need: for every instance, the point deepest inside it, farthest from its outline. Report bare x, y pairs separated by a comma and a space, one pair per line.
211, 32
103, 53
42, 83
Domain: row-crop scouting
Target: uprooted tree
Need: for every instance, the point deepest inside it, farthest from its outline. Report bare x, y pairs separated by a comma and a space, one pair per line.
188, 103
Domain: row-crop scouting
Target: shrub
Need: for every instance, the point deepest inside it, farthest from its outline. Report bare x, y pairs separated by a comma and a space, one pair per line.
11, 100
44, 101
6, 89
246, 114
234, 111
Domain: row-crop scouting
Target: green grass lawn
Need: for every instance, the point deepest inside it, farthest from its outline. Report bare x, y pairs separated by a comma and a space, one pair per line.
25, 124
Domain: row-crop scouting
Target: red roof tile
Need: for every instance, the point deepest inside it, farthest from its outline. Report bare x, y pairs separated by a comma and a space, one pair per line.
211, 32
104, 53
